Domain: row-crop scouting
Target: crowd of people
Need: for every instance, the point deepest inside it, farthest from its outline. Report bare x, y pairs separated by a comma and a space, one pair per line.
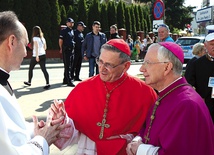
75, 48
140, 46
119, 114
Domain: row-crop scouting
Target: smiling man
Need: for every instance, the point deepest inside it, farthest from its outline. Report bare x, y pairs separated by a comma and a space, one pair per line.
179, 122
163, 33
108, 109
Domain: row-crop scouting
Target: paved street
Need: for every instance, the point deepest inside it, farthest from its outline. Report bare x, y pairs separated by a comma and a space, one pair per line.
34, 100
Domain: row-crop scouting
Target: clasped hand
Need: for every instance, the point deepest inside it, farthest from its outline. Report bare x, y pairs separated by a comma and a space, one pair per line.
54, 124
132, 147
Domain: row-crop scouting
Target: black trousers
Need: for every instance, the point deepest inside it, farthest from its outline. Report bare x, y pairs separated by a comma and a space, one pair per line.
77, 63
68, 60
42, 62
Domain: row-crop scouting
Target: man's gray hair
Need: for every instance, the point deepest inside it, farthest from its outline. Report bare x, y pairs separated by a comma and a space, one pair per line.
165, 26
9, 25
166, 55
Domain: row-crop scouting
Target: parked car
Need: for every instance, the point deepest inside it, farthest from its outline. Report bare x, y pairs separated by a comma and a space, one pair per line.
187, 43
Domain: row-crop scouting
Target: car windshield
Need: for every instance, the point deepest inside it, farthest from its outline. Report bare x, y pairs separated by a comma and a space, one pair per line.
187, 41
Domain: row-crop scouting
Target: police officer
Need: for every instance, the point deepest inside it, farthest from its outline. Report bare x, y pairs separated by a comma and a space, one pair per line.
78, 38
66, 45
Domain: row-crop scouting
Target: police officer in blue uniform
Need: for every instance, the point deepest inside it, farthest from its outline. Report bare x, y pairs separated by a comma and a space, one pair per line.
66, 45
78, 38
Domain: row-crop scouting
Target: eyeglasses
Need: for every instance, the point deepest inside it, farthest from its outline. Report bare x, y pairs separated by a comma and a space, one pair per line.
147, 63
108, 66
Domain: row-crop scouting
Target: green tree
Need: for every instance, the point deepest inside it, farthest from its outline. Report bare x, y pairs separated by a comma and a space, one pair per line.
133, 20
147, 18
89, 2
55, 20
104, 16
82, 11
145, 27
120, 15
29, 16
128, 20
172, 19
44, 14
66, 3
137, 17
71, 13
112, 13
94, 12
63, 15
141, 17
172, 8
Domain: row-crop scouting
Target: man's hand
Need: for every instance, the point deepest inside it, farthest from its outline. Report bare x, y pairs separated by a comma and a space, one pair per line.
128, 137
57, 110
51, 129
85, 58
132, 147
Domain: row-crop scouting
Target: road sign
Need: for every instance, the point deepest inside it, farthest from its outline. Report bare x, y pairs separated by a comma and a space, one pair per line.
204, 15
158, 10
155, 24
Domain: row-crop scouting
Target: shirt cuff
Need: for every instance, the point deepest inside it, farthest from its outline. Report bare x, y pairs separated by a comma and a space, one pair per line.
146, 149
136, 139
40, 142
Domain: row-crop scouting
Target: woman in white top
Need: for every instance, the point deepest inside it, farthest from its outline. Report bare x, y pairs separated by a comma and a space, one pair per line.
38, 43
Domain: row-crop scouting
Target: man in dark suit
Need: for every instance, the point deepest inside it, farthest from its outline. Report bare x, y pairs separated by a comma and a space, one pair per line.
203, 74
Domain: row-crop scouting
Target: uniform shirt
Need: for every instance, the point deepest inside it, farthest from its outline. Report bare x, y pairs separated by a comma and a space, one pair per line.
67, 35
78, 38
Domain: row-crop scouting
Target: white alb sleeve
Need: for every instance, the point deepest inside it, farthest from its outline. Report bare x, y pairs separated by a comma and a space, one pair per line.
147, 149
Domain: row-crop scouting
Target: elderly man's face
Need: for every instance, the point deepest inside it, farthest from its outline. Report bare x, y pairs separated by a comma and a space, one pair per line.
162, 33
153, 69
209, 45
111, 67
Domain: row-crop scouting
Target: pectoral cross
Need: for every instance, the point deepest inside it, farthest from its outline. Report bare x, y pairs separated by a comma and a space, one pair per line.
102, 125
146, 139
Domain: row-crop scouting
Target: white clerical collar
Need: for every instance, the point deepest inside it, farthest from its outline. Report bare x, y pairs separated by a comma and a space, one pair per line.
170, 84
211, 58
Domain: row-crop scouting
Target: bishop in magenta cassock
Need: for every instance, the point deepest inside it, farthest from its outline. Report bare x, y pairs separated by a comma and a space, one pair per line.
107, 112
179, 122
